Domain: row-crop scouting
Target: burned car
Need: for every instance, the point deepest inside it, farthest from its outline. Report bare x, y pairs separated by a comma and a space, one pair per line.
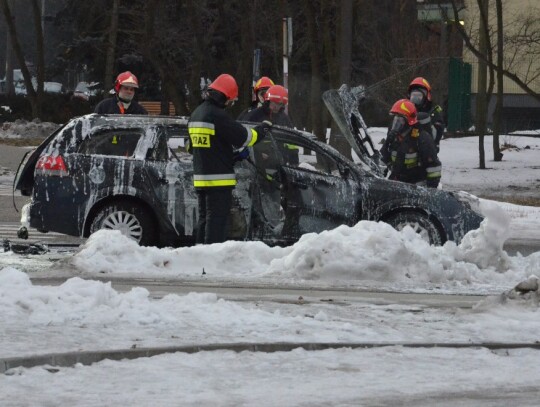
132, 173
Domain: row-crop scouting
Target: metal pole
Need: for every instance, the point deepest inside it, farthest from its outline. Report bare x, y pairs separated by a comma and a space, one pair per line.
285, 55
287, 47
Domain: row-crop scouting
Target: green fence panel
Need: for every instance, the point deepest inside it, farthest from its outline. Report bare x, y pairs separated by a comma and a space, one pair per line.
459, 95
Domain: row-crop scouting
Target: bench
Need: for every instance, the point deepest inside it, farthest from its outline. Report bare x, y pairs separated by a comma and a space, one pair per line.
154, 108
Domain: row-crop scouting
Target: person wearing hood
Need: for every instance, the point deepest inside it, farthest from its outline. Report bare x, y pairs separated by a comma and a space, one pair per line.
122, 102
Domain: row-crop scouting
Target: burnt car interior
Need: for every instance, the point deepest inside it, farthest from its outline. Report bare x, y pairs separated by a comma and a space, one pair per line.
113, 142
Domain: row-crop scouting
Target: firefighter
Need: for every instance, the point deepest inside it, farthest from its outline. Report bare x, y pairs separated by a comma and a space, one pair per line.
410, 151
122, 102
419, 92
260, 88
213, 136
273, 108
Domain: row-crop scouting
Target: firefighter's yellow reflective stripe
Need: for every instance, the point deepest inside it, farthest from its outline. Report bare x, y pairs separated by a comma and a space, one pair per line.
291, 146
200, 132
411, 159
434, 172
214, 180
215, 183
252, 137
206, 125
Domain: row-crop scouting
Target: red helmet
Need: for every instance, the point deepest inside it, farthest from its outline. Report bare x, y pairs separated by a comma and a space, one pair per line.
225, 84
407, 109
278, 94
126, 79
264, 82
421, 83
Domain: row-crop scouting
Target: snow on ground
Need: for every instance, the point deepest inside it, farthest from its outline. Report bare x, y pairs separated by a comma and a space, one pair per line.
89, 315
392, 376
518, 174
25, 129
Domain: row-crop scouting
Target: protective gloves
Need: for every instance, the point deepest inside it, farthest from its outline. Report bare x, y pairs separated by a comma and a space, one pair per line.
263, 129
241, 154
392, 136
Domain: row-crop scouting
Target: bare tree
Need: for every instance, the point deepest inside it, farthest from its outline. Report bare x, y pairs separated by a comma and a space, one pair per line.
34, 95
497, 155
522, 73
110, 49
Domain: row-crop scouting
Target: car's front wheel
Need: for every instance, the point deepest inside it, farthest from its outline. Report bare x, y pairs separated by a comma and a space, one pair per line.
130, 218
420, 223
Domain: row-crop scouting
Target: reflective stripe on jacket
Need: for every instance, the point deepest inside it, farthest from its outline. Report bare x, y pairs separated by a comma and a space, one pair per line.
413, 157
213, 136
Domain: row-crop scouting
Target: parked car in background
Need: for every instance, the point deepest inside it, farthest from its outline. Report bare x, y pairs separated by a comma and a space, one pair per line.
53, 87
86, 90
131, 173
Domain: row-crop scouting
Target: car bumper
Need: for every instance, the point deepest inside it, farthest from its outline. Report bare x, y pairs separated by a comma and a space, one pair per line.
46, 217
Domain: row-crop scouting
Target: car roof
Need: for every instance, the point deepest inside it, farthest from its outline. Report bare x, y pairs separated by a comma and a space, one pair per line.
132, 120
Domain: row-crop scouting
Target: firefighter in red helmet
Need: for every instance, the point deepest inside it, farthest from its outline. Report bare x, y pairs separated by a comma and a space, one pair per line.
122, 102
419, 93
409, 151
213, 137
259, 89
273, 108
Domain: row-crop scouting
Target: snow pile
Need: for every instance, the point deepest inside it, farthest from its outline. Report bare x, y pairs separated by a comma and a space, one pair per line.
368, 251
525, 294
24, 129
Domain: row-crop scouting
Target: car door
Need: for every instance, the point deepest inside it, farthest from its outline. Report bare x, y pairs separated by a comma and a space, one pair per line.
317, 190
170, 171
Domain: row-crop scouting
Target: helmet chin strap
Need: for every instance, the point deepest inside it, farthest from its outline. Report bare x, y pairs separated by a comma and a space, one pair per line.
124, 100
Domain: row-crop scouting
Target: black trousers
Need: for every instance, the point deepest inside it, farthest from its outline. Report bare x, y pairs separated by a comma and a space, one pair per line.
214, 210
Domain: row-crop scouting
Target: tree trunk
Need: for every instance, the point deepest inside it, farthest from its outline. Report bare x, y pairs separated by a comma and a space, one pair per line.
111, 46
10, 89
40, 57
481, 102
315, 58
497, 155
345, 48
30, 92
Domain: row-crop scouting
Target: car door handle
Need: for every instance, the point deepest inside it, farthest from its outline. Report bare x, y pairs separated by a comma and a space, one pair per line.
299, 184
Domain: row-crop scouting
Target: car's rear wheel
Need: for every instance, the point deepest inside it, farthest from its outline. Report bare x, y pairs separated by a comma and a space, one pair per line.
130, 218
420, 223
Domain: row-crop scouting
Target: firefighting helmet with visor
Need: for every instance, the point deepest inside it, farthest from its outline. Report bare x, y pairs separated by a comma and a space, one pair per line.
126, 79
404, 112
422, 85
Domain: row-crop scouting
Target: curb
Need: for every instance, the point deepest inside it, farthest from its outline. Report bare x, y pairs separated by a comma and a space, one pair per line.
70, 359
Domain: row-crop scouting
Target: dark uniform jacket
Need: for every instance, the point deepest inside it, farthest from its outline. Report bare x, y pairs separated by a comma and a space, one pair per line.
290, 151
412, 157
111, 106
264, 113
434, 123
213, 134
244, 113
